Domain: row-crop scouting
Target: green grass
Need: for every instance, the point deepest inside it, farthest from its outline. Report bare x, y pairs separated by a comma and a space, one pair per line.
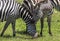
21, 27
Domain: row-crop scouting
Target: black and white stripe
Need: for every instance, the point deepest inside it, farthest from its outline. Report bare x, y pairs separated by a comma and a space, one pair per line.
33, 7
46, 10
30, 4
10, 10
7, 7
56, 4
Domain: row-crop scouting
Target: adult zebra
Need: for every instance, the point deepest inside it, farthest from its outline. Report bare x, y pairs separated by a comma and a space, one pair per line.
45, 7
46, 10
10, 10
31, 5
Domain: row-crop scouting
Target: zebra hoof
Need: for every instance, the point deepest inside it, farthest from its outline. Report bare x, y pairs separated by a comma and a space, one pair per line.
36, 35
50, 34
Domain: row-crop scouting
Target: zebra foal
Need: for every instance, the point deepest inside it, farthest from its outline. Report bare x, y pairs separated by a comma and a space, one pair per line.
46, 10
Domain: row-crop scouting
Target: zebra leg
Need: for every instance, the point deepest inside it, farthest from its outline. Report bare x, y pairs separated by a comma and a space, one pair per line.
42, 25
49, 24
13, 27
5, 27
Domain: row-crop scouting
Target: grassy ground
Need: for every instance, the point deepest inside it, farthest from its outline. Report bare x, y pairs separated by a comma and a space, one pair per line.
21, 27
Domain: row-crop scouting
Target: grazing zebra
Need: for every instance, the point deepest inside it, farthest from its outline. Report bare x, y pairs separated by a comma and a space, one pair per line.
10, 10
31, 5
46, 10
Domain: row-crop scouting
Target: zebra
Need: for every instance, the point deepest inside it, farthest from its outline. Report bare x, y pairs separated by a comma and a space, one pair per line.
31, 5
10, 10
40, 11
46, 10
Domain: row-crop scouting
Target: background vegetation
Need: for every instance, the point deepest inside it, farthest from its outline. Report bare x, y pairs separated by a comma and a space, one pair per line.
21, 27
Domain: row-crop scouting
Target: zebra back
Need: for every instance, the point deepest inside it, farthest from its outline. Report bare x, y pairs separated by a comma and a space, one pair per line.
11, 9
